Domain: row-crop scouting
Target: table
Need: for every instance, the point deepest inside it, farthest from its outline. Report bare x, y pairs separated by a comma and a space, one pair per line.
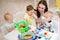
14, 36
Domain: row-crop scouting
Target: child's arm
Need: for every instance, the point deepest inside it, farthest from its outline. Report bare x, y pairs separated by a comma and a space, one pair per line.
26, 18
9, 29
47, 23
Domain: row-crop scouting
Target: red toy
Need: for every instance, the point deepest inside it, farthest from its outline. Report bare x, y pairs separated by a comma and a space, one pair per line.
45, 33
21, 26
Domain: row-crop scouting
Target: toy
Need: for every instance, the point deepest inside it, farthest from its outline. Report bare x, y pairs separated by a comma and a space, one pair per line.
41, 25
47, 35
27, 35
19, 37
32, 31
22, 26
39, 33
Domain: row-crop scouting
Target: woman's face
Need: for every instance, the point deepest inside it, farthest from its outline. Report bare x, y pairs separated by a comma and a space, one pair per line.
41, 8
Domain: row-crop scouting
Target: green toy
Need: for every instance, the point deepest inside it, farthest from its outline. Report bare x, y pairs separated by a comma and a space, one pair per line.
22, 26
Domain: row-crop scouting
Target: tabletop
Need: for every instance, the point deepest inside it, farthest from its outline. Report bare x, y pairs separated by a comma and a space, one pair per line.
14, 35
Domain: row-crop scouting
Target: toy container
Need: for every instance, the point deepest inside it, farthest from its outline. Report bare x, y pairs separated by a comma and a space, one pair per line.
22, 30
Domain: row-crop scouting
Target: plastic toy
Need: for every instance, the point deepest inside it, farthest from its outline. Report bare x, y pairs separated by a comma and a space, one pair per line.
39, 33
22, 26
41, 25
26, 36
47, 35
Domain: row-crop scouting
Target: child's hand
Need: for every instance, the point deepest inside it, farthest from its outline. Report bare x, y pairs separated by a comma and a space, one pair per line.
9, 29
48, 24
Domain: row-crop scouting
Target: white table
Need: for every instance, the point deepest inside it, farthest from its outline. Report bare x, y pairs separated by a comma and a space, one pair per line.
14, 35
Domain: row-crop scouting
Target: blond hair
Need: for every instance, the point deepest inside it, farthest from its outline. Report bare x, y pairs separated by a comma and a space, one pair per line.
48, 14
7, 14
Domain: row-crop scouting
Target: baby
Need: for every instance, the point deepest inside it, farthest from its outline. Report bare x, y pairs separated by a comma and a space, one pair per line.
48, 21
9, 25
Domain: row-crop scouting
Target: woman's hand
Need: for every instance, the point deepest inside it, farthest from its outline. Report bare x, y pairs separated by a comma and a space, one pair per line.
41, 25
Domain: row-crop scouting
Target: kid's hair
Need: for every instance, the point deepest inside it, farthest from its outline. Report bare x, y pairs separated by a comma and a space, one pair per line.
6, 14
48, 13
29, 7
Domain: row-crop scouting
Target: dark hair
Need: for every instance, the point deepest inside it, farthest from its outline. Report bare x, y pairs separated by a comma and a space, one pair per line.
29, 7
44, 3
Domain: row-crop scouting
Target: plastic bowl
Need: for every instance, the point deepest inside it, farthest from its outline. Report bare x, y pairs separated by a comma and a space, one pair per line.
22, 30
27, 33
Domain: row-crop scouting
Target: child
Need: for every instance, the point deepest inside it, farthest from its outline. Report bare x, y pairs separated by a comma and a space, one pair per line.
30, 16
9, 24
58, 13
48, 21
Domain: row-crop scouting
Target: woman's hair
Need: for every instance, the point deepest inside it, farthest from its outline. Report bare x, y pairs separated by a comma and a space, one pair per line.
46, 8
29, 7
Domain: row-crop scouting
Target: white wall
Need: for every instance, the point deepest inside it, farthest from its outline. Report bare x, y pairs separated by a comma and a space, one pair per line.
13, 6
16, 6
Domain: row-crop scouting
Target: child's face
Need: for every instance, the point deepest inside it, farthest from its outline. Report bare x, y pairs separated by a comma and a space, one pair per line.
9, 18
48, 16
31, 12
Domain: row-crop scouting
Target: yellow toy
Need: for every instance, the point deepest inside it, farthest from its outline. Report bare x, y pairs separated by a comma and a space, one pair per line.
47, 35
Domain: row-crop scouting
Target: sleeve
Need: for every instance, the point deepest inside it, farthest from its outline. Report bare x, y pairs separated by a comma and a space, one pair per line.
4, 30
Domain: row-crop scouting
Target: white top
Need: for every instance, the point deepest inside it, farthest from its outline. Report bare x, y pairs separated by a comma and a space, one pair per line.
7, 25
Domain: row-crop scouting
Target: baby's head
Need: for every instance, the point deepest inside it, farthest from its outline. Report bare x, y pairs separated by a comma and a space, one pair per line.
30, 10
48, 15
8, 17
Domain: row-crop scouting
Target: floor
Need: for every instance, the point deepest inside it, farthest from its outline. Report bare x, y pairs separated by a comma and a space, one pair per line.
1, 35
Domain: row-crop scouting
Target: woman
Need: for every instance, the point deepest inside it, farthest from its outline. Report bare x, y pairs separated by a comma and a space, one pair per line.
41, 9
